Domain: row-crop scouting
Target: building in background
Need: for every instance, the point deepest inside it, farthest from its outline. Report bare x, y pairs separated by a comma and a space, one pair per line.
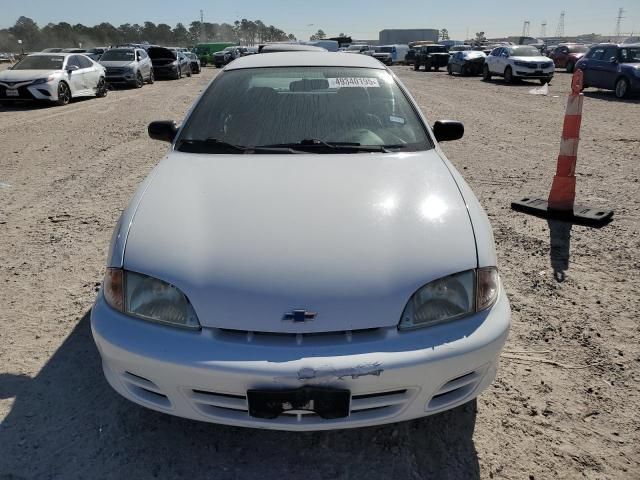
397, 35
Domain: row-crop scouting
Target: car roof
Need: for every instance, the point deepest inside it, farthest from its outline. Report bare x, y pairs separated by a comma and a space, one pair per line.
306, 59
53, 54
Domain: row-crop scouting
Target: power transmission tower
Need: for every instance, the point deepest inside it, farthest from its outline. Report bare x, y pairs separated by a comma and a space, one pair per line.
525, 28
560, 29
619, 21
543, 29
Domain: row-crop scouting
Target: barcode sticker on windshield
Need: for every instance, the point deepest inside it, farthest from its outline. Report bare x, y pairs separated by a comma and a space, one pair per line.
353, 82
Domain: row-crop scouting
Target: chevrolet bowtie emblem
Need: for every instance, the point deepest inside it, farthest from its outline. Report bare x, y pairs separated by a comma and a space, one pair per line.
299, 316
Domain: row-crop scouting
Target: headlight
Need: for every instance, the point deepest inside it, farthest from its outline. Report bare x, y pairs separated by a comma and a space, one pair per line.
148, 298
42, 80
451, 298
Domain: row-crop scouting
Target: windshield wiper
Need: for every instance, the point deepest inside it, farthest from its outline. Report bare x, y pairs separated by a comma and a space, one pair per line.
316, 144
212, 145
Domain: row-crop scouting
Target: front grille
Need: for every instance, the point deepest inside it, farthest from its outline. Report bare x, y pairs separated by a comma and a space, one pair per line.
283, 339
23, 94
366, 406
455, 390
115, 70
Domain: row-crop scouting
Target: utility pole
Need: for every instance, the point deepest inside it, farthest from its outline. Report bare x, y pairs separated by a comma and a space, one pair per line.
619, 22
202, 39
560, 29
543, 29
525, 28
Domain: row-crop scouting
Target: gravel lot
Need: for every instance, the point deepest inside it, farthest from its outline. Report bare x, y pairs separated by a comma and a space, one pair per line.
566, 401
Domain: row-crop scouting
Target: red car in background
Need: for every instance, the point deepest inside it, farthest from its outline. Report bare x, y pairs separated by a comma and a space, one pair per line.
566, 55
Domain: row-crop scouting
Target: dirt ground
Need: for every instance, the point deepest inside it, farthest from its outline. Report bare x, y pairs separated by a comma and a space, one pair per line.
566, 400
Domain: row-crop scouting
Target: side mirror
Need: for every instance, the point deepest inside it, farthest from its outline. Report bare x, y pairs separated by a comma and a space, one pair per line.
72, 68
165, 130
447, 130
613, 60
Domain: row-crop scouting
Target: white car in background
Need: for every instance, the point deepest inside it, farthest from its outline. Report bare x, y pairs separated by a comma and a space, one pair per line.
517, 62
305, 257
52, 77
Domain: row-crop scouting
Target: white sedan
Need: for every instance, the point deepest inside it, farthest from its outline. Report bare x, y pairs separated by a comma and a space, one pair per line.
304, 258
52, 77
516, 62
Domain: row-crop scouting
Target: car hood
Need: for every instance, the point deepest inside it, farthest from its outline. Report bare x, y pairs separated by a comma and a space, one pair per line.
537, 59
350, 237
25, 75
161, 53
117, 63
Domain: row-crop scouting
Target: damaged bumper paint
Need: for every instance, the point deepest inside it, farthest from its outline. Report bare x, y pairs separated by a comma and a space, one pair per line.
391, 376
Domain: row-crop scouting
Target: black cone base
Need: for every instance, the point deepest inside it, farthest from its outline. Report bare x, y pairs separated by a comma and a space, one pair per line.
581, 215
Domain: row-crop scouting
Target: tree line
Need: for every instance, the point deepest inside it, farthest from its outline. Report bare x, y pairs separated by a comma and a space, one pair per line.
63, 34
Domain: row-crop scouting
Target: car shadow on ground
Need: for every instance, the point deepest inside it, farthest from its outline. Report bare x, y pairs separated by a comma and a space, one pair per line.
610, 96
68, 423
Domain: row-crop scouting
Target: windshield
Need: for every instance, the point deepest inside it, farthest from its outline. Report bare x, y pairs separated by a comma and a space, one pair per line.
437, 49
578, 49
630, 55
118, 56
40, 62
306, 106
524, 52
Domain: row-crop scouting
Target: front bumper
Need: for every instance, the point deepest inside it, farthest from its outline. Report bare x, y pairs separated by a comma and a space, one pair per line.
43, 91
535, 73
392, 376
165, 70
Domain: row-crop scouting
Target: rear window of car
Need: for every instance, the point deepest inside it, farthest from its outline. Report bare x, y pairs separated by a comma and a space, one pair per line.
437, 49
287, 105
40, 62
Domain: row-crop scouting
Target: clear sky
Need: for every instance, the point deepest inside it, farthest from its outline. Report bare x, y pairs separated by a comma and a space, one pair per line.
360, 18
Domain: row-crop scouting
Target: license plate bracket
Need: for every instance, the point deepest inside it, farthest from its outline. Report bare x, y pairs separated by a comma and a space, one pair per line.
538, 72
328, 403
12, 92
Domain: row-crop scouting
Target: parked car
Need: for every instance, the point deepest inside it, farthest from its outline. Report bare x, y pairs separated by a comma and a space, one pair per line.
466, 62
52, 77
612, 67
288, 47
195, 62
183, 60
52, 50
431, 56
206, 51
229, 54
95, 53
383, 304
391, 54
6, 58
459, 48
128, 66
566, 56
167, 63
359, 48
515, 62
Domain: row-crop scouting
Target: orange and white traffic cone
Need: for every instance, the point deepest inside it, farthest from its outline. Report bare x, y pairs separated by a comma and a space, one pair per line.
560, 203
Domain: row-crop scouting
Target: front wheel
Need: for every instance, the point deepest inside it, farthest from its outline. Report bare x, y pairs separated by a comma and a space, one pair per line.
449, 71
622, 88
571, 67
486, 74
139, 80
416, 66
188, 71
508, 75
101, 89
151, 77
64, 94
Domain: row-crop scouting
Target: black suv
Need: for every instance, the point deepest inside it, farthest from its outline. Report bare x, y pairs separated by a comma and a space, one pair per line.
435, 56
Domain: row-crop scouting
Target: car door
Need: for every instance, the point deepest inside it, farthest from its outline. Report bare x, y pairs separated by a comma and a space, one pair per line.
457, 62
90, 74
492, 60
610, 65
143, 64
75, 77
593, 67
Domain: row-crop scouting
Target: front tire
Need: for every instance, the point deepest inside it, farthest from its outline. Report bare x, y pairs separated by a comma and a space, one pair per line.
139, 80
188, 71
508, 75
571, 66
64, 94
152, 77
416, 66
622, 88
486, 73
101, 88
449, 71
